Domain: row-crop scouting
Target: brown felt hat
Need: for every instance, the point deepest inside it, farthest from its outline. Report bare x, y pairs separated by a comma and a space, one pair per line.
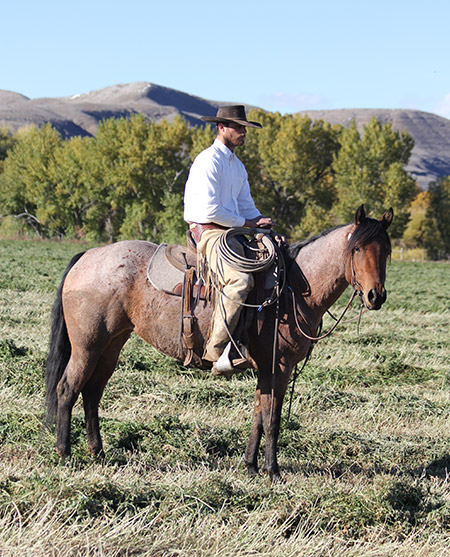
234, 113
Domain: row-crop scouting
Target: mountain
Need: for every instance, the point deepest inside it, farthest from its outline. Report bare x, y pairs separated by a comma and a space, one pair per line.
430, 158
80, 115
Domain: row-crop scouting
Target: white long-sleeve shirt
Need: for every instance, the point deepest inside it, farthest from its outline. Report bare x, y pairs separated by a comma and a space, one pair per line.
217, 189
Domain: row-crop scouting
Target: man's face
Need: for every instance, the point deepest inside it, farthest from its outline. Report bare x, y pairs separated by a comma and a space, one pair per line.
232, 135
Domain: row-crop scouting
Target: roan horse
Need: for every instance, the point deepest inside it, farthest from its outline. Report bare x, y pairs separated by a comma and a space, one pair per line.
105, 296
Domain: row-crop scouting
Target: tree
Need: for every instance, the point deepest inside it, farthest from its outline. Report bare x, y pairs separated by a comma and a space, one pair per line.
74, 184
417, 228
6, 143
370, 170
438, 213
27, 185
289, 163
125, 183
137, 165
201, 138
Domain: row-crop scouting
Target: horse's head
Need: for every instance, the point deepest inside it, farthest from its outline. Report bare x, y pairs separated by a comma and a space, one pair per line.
368, 247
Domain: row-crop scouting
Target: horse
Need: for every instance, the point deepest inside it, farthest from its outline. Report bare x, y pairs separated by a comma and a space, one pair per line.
105, 295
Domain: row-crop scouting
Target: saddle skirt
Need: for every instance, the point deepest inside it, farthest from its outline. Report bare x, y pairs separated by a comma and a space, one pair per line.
167, 267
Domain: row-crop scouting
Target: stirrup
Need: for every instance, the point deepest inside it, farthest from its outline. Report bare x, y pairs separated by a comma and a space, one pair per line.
225, 365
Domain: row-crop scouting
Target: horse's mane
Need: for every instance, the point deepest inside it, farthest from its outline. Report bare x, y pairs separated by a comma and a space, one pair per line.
297, 246
365, 233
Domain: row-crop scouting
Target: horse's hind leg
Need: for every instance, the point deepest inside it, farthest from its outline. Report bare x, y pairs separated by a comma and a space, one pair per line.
78, 370
93, 390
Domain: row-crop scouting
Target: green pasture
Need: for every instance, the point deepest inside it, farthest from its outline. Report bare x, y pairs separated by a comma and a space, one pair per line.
364, 455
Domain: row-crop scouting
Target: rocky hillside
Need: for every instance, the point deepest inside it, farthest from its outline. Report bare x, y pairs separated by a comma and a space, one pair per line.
430, 158
80, 115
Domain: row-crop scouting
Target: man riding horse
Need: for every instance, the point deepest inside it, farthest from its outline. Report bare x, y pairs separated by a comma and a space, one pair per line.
217, 197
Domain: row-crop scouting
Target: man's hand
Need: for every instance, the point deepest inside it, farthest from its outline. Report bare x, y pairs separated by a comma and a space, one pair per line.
266, 223
280, 239
259, 222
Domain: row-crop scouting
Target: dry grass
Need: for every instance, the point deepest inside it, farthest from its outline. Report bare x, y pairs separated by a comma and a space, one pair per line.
365, 456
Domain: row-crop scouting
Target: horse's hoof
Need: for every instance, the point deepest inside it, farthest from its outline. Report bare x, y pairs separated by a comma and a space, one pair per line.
273, 473
97, 452
252, 471
63, 455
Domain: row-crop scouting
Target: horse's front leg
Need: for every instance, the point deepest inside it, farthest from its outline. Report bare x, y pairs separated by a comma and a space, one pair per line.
271, 418
273, 389
266, 419
251, 454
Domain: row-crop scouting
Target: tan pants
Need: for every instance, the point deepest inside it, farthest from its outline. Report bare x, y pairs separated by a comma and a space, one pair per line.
235, 287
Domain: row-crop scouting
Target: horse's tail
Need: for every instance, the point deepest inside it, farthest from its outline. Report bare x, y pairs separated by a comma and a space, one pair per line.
59, 350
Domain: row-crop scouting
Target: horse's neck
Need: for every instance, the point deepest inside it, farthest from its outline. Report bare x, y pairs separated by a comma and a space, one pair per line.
322, 264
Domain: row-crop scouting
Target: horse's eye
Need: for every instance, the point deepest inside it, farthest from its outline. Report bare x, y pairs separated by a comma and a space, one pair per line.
357, 248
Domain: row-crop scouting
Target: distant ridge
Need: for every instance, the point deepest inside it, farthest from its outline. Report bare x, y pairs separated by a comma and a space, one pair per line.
430, 158
80, 114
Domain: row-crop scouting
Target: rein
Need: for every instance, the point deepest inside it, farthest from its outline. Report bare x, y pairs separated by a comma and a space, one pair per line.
328, 333
357, 290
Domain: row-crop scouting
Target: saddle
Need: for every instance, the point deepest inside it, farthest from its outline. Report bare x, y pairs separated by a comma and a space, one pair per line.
173, 269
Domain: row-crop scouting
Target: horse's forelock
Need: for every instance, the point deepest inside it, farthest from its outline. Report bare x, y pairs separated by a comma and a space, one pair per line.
370, 230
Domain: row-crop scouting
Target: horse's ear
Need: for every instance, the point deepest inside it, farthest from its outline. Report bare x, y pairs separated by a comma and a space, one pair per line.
387, 217
360, 215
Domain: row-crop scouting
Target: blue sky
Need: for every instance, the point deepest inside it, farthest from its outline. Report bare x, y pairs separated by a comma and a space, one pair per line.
284, 55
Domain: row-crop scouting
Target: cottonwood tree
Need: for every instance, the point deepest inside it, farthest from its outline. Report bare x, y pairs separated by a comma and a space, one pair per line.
28, 183
137, 168
289, 163
369, 169
438, 213
6, 143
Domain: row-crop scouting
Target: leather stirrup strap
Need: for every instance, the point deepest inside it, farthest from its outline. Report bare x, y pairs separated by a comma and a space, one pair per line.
188, 338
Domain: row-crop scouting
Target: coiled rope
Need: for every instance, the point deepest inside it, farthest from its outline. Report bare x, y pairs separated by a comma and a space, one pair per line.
264, 258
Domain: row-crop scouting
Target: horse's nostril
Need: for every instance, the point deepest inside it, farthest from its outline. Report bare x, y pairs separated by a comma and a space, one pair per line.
372, 296
375, 299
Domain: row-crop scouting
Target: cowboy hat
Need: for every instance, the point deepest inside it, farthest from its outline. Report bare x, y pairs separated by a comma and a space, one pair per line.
233, 113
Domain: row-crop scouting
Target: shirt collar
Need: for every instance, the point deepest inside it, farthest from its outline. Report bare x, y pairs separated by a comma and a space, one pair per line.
224, 149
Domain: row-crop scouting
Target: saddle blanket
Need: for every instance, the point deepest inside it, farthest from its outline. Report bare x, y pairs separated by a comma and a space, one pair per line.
166, 268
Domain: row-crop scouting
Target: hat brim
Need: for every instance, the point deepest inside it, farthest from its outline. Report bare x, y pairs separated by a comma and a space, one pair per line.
228, 120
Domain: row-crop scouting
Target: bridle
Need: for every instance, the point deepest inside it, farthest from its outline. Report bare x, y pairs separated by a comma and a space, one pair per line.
353, 282
357, 290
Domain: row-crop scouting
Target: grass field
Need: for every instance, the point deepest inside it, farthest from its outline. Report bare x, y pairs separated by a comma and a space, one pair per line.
365, 456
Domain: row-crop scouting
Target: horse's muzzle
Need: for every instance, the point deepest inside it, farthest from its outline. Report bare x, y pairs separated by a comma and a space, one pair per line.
375, 298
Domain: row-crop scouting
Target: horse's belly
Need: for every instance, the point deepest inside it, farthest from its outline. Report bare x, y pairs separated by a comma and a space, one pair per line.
160, 323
